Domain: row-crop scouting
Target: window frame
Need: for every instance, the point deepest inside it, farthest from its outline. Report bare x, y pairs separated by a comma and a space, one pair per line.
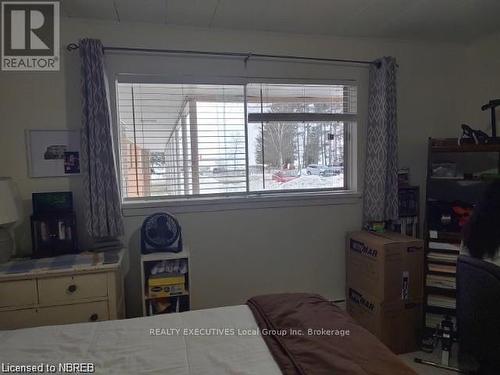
349, 193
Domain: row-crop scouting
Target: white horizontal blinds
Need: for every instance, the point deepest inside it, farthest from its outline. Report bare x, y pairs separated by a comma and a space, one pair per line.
316, 100
181, 140
296, 135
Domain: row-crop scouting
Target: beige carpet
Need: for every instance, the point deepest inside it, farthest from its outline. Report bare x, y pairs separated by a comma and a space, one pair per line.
434, 357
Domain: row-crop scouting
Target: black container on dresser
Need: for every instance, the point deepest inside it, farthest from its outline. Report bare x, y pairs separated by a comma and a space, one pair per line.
53, 224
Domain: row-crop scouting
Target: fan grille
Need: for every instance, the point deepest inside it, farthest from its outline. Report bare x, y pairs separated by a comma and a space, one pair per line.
160, 230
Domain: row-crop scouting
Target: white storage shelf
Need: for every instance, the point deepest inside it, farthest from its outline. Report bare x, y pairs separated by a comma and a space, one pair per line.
184, 254
147, 261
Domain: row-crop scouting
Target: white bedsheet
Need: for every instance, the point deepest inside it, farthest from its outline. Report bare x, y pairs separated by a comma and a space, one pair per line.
127, 346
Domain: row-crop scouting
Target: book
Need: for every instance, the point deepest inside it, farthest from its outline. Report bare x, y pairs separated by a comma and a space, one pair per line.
441, 301
438, 281
442, 268
444, 246
451, 258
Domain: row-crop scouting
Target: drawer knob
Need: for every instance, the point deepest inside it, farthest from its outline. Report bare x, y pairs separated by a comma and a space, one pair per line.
94, 317
72, 288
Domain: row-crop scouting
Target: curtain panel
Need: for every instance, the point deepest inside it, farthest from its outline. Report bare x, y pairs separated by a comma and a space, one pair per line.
101, 195
381, 168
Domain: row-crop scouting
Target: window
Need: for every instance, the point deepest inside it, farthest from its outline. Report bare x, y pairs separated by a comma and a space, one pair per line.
181, 140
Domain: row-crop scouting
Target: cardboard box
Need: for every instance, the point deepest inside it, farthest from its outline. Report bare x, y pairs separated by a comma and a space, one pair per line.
389, 266
384, 286
396, 324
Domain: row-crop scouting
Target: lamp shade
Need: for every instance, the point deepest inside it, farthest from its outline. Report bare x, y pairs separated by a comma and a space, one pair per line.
9, 212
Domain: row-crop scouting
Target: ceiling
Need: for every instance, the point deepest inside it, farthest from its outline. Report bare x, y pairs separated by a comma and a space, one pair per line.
444, 20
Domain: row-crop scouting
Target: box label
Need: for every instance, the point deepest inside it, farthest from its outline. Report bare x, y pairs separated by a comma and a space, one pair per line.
405, 295
413, 249
360, 300
362, 249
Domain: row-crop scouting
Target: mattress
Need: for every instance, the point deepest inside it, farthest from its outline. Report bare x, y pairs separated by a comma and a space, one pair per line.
213, 341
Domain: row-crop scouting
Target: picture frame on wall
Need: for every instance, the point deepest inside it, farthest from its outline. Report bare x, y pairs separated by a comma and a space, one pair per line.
53, 153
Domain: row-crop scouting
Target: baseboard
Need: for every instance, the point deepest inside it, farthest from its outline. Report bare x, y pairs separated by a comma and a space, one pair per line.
340, 303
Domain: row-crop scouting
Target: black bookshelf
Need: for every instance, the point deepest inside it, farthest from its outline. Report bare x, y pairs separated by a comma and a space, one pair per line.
475, 166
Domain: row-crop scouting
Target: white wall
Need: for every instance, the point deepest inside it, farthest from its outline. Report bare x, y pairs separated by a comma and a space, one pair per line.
238, 253
482, 72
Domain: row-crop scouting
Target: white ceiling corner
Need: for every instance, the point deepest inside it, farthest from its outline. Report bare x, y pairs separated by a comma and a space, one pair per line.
151, 11
96, 9
196, 13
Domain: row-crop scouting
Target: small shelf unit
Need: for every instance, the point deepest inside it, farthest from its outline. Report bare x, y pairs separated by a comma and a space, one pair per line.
175, 303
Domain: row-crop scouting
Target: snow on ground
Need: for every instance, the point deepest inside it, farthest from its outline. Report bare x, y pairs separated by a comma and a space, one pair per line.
302, 182
213, 184
315, 182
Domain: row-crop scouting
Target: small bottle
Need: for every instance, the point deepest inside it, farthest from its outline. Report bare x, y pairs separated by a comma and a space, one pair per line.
44, 235
62, 234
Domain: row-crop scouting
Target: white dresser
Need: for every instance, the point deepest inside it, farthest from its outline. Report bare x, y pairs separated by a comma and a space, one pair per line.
91, 289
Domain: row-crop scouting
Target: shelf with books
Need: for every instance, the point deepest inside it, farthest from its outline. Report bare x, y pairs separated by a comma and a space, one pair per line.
441, 300
445, 269
456, 178
444, 251
466, 182
440, 310
442, 236
445, 262
442, 281
443, 245
441, 291
451, 145
437, 273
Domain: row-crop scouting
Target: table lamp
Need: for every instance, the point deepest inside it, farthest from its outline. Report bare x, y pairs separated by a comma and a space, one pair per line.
9, 214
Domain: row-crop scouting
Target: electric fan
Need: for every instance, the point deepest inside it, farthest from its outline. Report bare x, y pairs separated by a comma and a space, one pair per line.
161, 232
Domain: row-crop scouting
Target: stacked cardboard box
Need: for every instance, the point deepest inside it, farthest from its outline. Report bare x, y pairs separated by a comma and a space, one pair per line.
384, 286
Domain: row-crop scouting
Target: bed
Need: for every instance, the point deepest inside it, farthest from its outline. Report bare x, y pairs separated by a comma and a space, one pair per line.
213, 341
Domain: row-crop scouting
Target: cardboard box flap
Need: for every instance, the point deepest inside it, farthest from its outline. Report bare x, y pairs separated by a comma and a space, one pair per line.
411, 243
373, 237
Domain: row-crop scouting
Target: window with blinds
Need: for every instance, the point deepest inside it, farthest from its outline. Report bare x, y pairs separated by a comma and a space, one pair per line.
181, 140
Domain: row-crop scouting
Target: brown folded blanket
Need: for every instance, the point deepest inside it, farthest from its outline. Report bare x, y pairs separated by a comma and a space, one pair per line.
309, 335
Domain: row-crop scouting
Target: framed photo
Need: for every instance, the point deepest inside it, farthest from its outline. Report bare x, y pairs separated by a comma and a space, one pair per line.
53, 153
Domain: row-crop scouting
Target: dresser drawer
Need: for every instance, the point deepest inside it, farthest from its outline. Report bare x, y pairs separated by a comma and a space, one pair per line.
67, 289
76, 313
18, 293
18, 319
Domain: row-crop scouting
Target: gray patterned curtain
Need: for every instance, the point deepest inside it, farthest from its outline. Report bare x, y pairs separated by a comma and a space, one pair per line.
381, 168
100, 183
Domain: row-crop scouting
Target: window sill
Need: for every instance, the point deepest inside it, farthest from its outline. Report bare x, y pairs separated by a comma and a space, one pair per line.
257, 201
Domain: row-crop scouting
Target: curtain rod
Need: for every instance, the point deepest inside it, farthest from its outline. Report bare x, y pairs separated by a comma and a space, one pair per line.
246, 56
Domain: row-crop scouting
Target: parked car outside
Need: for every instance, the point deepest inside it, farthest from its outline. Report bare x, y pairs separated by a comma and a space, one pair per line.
331, 170
284, 175
314, 169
